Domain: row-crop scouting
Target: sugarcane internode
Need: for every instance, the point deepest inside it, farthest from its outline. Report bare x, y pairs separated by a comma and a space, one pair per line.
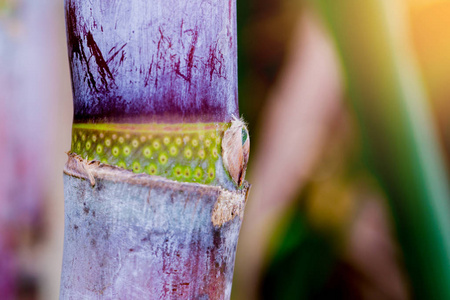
181, 152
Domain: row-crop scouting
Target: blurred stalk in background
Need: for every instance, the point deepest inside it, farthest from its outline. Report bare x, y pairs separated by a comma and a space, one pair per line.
30, 102
398, 134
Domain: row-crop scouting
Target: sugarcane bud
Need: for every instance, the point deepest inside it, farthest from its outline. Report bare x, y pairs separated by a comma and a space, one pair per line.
236, 150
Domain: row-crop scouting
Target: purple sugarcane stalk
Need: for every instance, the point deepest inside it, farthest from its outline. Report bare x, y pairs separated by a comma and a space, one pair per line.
153, 61
138, 65
27, 79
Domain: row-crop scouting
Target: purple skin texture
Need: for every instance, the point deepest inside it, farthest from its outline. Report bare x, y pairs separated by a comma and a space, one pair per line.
145, 237
143, 61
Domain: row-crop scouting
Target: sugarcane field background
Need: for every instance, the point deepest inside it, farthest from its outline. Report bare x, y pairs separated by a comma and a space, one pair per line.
347, 104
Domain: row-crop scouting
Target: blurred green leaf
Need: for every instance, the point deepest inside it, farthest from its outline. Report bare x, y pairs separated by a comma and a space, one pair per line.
302, 265
400, 142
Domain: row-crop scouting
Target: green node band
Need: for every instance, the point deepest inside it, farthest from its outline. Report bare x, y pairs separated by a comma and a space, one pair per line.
181, 152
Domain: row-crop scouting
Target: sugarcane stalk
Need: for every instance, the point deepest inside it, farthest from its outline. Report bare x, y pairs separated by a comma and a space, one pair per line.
154, 190
27, 76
